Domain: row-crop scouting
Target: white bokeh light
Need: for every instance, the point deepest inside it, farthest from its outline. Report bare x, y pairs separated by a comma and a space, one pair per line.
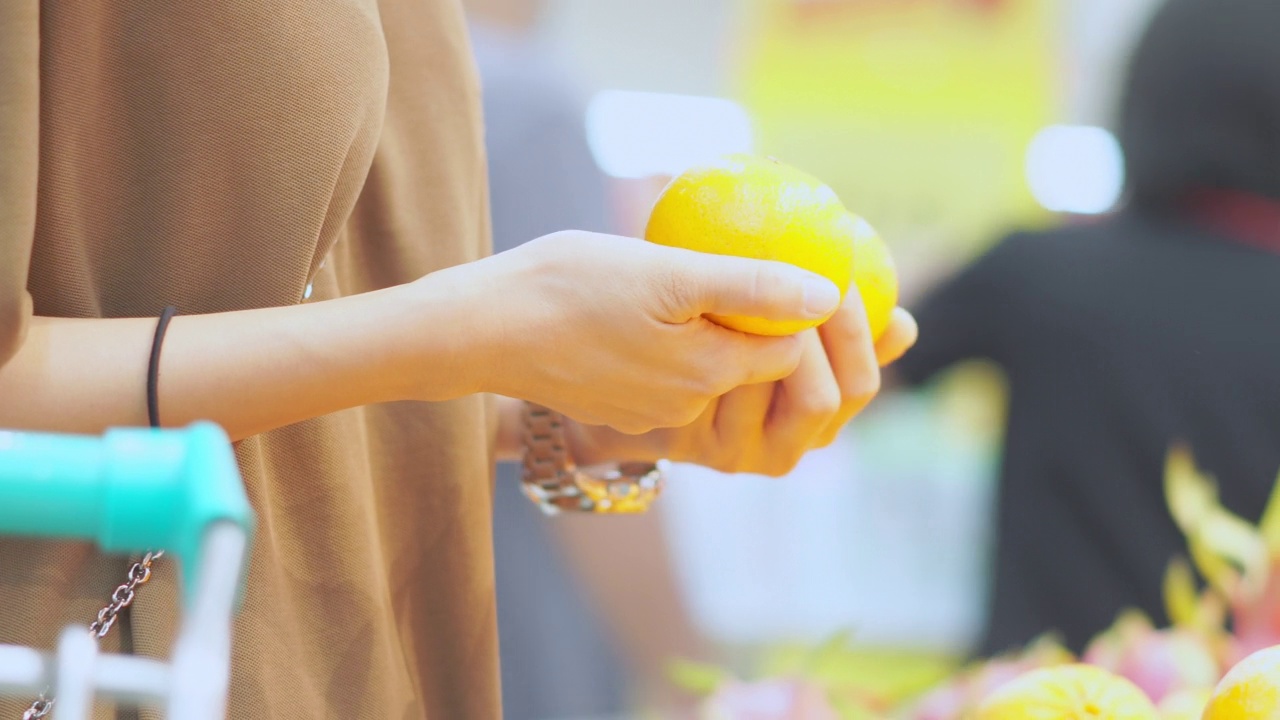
1075, 169
642, 134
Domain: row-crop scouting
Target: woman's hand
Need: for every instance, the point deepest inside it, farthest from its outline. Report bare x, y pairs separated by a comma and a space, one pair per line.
766, 428
609, 330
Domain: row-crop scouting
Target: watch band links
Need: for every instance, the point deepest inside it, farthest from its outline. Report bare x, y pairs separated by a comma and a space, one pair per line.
551, 480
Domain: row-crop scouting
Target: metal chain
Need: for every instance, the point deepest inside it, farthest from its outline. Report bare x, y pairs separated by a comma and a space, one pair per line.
38, 709
121, 598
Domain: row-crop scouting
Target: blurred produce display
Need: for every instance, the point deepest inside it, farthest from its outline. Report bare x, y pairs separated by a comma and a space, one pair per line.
1220, 658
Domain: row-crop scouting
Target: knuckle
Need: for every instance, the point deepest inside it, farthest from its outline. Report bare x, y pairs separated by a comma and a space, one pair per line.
724, 381
863, 390
667, 281
689, 414
636, 422
819, 403
669, 287
780, 361
710, 382
792, 355
682, 413
781, 465
717, 374
761, 281
772, 288
725, 464
632, 427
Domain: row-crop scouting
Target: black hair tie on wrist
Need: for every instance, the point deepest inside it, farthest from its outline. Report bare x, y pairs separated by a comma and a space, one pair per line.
153, 367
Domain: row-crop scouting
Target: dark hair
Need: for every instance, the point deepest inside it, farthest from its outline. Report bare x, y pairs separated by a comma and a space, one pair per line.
1202, 104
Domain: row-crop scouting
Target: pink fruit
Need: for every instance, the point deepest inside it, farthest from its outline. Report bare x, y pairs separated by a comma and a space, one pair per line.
1109, 649
1158, 661
1256, 618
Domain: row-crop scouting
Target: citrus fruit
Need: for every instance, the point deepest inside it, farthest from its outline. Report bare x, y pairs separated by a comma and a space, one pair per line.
875, 277
1068, 692
1250, 690
761, 208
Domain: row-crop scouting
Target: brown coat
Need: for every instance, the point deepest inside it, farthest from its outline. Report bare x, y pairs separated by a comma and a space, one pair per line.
230, 155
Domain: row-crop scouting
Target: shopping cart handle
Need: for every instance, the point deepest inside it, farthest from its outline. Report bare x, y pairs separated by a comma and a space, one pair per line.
130, 490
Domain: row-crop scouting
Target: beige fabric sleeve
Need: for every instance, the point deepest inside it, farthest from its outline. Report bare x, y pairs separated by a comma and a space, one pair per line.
19, 160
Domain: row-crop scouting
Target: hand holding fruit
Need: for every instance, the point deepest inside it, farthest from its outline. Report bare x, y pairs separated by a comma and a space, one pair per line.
636, 336
765, 210
611, 331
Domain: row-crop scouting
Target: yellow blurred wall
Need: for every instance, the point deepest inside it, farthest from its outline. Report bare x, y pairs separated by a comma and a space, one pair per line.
917, 112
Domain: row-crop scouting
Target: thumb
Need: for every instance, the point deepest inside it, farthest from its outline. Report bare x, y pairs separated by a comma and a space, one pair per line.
727, 285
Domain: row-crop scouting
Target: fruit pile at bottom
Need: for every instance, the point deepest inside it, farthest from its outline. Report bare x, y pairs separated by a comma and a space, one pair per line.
1251, 691
1218, 660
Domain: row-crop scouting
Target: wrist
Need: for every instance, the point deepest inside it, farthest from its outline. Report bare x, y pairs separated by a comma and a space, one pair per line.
435, 348
596, 444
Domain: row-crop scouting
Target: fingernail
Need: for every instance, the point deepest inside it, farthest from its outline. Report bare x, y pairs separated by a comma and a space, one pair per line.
821, 296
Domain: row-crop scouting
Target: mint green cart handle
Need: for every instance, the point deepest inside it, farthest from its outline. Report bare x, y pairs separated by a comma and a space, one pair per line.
130, 490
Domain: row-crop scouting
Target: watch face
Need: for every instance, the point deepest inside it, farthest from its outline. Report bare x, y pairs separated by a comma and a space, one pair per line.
620, 489
553, 499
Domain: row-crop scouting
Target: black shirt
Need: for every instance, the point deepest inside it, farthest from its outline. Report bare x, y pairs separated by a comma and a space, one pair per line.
1117, 339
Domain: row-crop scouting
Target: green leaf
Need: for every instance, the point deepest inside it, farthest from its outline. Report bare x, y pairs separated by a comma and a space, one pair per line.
1219, 573
1181, 597
1191, 495
1229, 552
1238, 543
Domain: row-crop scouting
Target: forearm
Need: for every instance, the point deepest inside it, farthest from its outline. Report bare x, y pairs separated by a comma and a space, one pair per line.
249, 371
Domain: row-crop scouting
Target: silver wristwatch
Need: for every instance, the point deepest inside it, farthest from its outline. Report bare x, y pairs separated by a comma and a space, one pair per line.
555, 484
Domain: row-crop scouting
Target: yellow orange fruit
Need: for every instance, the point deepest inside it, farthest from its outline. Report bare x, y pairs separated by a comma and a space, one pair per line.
1068, 692
1250, 691
875, 277
761, 208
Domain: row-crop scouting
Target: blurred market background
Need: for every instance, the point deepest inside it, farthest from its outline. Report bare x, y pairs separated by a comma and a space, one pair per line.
945, 123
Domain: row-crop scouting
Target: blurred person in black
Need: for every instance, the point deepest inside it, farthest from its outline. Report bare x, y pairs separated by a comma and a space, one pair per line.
1158, 324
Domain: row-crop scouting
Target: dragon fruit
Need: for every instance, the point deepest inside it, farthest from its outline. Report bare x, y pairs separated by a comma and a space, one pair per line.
1160, 662
1175, 667
1240, 562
